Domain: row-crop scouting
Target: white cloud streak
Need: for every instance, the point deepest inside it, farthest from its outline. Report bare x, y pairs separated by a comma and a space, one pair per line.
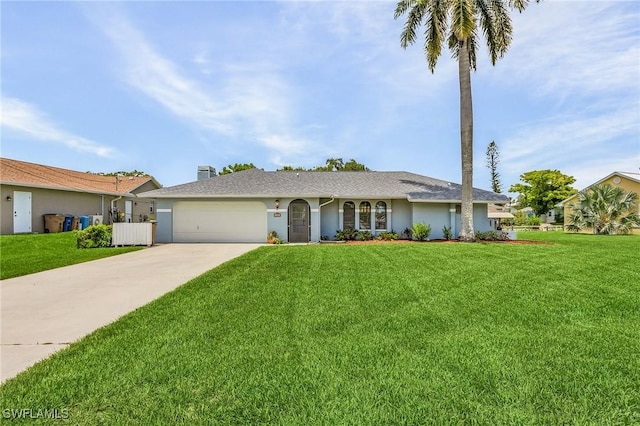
25, 118
159, 78
244, 104
596, 51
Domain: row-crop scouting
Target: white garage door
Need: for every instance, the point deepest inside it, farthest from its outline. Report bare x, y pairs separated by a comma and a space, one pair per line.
219, 222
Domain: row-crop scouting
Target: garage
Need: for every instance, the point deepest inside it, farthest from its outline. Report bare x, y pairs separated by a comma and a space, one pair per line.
219, 222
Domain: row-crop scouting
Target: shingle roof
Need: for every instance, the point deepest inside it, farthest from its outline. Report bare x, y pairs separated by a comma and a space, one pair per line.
21, 173
258, 183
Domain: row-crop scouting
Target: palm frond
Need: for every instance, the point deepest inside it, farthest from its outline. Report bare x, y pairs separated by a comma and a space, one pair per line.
502, 30
520, 5
414, 20
462, 18
402, 7
436, 27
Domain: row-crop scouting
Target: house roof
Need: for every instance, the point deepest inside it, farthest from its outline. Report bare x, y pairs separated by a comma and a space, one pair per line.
498, 212
259, 183
21, 173
629, 175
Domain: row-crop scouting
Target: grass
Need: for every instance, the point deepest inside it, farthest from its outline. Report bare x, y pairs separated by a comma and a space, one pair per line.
370, 334
24, 254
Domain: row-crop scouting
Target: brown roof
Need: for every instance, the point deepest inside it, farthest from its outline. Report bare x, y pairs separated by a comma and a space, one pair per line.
21, 173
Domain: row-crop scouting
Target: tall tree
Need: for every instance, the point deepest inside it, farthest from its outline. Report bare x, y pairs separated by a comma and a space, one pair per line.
493, 158
238, 167
458, 21
604, 209
543, 189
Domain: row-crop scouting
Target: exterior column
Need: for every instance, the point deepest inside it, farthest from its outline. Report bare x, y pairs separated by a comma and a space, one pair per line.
452, 220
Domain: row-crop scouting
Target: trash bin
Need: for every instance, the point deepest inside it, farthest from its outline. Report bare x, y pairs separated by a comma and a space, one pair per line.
53, 222
75, 223
67, 223
84, 222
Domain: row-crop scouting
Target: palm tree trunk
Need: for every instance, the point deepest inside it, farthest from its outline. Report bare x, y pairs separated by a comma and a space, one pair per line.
466, 142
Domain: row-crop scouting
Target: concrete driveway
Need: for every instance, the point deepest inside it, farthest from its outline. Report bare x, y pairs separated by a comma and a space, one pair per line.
45, 312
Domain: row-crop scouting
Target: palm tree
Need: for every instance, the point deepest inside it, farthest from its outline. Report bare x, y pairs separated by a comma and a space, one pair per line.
605, 209
458, 21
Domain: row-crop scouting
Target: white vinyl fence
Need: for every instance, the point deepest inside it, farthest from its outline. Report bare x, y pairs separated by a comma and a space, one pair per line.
133, 234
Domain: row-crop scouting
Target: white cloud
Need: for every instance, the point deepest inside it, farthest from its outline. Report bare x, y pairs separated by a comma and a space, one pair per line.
22, 117
563, 51
160, 79
249, 101
570, 142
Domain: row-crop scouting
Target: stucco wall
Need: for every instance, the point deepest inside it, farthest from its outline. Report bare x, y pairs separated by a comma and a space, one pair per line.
46, 201
277, 218
401, 216
329, 219
435, 215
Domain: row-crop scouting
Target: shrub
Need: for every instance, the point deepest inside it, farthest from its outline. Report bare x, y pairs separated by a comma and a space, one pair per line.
388, 236
491, 236
94, 236
347, 234
446, 231
364, 235
272, 238
407, 234
421, 231
520, 218
533, 221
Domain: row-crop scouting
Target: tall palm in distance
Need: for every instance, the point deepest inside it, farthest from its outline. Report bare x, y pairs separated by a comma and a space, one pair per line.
458, 22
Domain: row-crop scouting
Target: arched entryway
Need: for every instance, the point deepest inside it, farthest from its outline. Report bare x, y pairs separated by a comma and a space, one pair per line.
299, 214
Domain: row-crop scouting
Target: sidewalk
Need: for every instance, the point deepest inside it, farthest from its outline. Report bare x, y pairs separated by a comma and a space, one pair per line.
45, 312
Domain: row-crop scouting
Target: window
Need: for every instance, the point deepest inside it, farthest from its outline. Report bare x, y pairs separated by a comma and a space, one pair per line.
349, 215
381, 215
365, 215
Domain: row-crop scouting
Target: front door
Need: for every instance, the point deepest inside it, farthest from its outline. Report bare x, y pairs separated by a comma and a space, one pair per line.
128, 210
299, 213
21, 212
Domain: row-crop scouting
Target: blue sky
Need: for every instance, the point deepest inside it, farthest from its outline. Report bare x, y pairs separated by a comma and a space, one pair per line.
163, 87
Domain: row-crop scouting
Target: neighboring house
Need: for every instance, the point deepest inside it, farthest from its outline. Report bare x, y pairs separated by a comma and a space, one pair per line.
309, 206
28, 191
628, 181
496, 213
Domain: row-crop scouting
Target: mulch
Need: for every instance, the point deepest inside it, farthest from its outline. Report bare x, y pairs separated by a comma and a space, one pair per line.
443, 242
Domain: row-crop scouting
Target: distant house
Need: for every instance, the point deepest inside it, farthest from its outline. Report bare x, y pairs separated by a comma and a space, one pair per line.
28, 191
496, 214
628, 181
309, 206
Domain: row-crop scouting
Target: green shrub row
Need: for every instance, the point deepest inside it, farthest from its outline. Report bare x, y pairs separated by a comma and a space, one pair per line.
490, 236
349, 234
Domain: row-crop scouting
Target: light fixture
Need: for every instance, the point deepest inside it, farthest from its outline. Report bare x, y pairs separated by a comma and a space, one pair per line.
8, 197
277, 204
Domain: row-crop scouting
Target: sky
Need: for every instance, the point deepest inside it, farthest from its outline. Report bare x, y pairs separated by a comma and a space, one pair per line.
164, 87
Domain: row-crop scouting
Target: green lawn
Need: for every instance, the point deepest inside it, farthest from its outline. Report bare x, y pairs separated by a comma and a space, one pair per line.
24, 254
385, 334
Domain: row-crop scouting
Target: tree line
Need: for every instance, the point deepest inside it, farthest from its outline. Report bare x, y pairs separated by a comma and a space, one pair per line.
331, 165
